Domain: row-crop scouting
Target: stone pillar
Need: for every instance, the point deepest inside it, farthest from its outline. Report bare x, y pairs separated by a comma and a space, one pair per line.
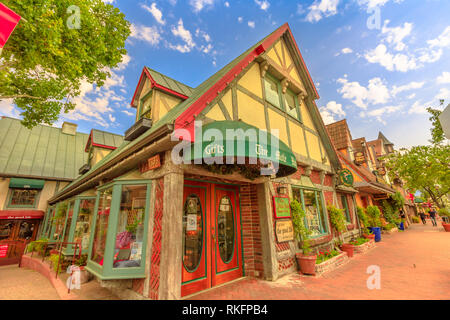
171, 238
270, 261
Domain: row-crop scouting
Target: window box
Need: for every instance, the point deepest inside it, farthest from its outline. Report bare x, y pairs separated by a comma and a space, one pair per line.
118, 241
138, 129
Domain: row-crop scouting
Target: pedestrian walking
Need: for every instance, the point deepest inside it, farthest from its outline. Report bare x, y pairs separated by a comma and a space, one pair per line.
423, 216
432, 213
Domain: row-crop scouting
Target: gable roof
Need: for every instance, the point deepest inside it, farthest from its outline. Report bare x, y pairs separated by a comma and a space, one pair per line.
385, 140
103, 139
43, 151
340, 134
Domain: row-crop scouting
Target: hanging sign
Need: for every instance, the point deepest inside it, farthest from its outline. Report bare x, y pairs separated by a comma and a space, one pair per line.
359, 158
381, 171
191, 222
281, 207
3, 250
346, 177
284, 230
151, 164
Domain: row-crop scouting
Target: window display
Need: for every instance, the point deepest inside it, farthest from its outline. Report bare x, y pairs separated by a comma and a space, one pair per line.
83, 227
315, 219
58, 221
23, 197
5, 229
130, 227
225, 228
69, 221
101, 226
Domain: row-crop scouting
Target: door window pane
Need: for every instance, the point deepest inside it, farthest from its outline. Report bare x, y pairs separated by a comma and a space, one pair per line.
271, 88
130, 227
84, 220
49, 224
225, 229
193, 232
6, 228
59, 220
311, 212
345, 207
26, 230
101, 226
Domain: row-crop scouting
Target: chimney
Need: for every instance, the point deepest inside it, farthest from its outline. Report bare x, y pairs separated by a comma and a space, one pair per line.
69, 128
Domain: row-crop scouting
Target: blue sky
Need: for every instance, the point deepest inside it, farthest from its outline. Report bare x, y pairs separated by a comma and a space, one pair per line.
377, 63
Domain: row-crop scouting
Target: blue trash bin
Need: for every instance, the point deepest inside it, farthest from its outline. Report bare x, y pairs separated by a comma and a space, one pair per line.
377, 232
401, 226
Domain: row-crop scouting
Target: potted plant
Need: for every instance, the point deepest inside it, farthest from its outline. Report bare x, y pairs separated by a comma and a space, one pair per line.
306, 260
338, 222
444, 212
364, 222
374, 216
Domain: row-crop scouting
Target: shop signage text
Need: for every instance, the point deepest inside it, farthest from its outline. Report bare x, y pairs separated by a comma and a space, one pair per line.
281, 207
346, 177
284, 230
3, 250
151, 164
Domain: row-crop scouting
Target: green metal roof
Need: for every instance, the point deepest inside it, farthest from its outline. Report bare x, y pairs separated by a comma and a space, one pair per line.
43, 151
106, 139
170, 83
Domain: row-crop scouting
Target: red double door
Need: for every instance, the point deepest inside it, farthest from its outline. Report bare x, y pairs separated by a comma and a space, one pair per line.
211, 236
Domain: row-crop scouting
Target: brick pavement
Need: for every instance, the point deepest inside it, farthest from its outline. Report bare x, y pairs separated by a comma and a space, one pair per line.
415, 264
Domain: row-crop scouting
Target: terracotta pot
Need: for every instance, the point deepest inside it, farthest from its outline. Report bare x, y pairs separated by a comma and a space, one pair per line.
446, 226
349, 248
307, 264
369, 236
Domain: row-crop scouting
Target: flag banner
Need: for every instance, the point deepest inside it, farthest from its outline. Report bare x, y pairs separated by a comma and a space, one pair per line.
8, 21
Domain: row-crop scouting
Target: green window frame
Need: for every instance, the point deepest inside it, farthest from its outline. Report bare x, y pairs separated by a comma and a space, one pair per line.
297, 114
12, 192
298, 194
346, 209
107, 271
43, 233
276, 101
142, 101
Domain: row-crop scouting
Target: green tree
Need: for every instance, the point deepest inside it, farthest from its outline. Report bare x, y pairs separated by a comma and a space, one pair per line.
424, 168
61, 44
437, 133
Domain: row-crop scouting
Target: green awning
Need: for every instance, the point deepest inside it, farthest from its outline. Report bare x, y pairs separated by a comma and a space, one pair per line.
236, 140
21, 183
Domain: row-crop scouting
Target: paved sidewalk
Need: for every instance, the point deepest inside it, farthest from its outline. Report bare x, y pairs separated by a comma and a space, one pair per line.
23, 284
415, 264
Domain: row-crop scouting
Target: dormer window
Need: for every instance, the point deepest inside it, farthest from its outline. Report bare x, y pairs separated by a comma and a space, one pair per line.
145, 109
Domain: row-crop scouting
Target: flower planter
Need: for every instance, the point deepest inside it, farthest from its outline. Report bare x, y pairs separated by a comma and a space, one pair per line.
364, 247
446, 226
349, 248
306, 264
332, 264
369, 236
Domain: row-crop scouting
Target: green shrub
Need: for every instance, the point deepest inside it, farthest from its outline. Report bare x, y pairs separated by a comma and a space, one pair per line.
389, 226
300, 230
325, 255
54, 258
363, 217
415, 219
337, 218
374, 216
359, 241
444, 212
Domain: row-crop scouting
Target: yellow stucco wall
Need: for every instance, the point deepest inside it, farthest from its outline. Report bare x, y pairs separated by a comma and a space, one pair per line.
278, 122
227, 100
4, 187
252, 80
216, 113
306, 117
163, 103
46, 193
298, 139
251, 111
313, 146
99, 154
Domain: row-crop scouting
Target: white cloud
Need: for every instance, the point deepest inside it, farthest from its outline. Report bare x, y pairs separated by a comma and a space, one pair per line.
330, 111
369, 4
112, 118
444, 93
346, 51
251, 24
199, 5
156, 13
442, 41
407, 87
240, 19
391, 62
227, 4
418, 108
444, 78
378, 113
128, 113
263, 4
185, 35
203, 34
144, 33
375, 93
320, 9
7, 108
395, 36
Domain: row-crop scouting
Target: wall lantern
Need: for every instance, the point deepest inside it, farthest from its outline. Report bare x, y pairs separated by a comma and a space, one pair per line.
282, 190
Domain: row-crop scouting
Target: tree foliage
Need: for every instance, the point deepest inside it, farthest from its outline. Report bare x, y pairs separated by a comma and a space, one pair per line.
424, 168
61, 44
437, 133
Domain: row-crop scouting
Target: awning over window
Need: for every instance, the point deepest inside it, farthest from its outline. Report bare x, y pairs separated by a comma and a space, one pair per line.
21, 214
21, 183
236, 139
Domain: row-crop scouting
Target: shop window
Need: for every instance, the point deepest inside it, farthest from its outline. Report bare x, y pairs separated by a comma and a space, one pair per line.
26, 230
272, 91
6, 228
193, 233
84, 221
225, 228
291, 105
130, 227
101, 226
69, 221
346, 209
59, 220
312, 203
23, 198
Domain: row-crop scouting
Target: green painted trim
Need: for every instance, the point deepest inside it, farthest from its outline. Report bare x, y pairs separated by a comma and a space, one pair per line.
242, 238
224, 109
76, 212
71, 202
234, 101
94, 223
347, 211
194, 280
306, 143
250, 94
33, 206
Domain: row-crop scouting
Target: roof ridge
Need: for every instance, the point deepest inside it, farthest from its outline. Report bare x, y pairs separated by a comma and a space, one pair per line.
162, 74
115, 134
